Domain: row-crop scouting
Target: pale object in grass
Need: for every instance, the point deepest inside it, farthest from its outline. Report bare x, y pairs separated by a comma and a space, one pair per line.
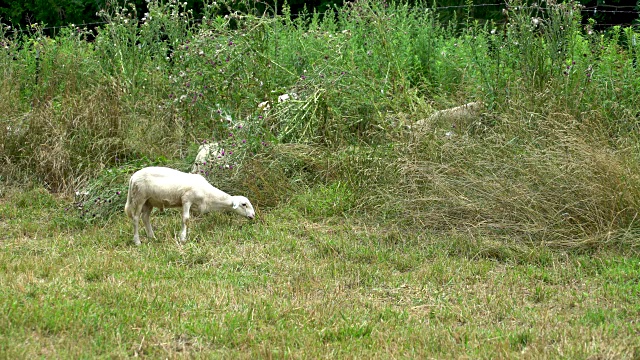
287, 96
207, 153
167, 188
283, 98
457, 117
264, 106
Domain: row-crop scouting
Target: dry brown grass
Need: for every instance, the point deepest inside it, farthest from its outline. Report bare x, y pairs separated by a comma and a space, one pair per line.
538, 178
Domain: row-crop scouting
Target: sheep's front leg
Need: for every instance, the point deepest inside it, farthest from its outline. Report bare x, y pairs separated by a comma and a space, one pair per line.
146, 211
185, 220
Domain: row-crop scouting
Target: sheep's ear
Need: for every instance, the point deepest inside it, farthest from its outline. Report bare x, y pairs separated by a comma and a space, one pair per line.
235, 204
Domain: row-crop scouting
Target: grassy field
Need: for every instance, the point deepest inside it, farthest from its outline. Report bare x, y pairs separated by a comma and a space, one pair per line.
285, 286
382, 231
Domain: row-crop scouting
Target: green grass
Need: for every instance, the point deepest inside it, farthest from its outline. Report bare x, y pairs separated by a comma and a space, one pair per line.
288, 286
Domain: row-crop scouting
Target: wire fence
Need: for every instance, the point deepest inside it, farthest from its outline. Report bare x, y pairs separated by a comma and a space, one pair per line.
587, 11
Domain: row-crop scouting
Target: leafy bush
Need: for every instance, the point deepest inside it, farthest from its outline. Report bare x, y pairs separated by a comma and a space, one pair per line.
552, 160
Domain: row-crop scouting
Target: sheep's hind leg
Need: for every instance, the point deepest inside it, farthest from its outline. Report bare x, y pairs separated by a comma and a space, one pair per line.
136, 218
185, 220
146, 211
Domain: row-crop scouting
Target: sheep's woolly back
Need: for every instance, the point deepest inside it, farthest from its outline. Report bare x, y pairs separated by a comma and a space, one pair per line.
163, 187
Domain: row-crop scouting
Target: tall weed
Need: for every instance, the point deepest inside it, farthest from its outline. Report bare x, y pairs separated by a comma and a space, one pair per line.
552, 160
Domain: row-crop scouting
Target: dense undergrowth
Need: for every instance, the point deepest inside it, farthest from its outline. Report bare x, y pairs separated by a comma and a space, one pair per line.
552, 160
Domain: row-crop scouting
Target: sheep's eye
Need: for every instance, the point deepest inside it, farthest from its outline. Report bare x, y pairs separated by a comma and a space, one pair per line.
244, 205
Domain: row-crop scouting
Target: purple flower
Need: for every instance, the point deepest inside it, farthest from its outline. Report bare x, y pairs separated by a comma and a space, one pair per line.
240, 126
117, 192
260, 117
244, 141
230, 134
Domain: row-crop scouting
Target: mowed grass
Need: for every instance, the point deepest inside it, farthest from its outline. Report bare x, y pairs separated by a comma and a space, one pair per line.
285, 286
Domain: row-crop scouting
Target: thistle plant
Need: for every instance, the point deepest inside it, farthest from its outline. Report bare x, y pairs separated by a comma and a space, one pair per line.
230, 148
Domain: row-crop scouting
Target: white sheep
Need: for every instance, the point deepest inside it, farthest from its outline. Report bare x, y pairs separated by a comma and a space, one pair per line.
166, 188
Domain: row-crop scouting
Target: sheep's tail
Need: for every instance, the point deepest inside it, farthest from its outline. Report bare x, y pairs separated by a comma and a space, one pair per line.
128, 206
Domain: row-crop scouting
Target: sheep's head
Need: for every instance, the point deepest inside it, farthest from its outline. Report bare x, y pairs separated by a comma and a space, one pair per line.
242, 206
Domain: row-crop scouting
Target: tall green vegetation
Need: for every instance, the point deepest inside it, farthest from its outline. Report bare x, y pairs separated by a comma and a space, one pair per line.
552, 160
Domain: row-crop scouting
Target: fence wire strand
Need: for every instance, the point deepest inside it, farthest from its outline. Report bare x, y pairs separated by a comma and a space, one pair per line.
586, 10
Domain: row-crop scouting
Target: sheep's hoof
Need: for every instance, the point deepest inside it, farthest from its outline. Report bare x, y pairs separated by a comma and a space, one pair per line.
136, 242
